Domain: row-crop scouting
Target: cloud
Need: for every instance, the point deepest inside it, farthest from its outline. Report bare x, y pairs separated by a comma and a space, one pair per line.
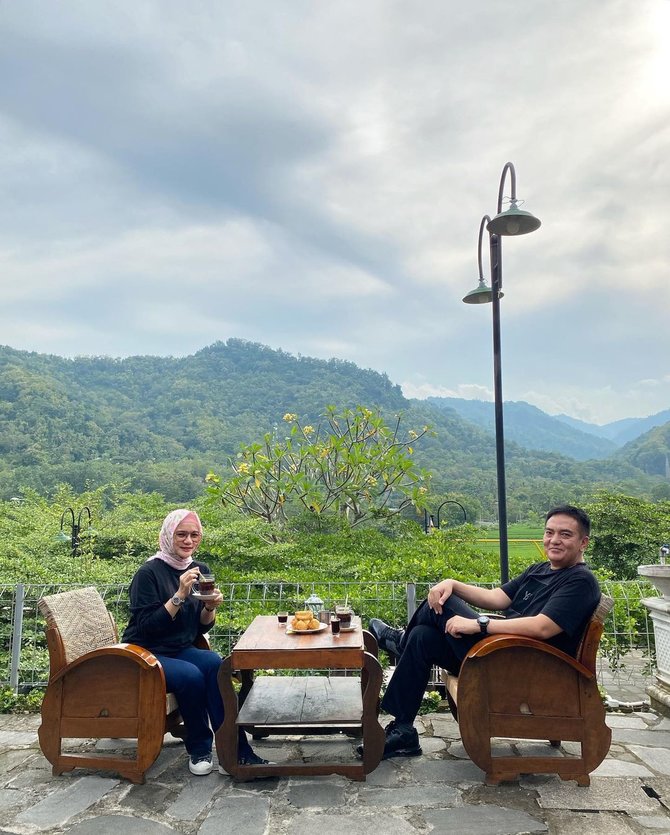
312, 176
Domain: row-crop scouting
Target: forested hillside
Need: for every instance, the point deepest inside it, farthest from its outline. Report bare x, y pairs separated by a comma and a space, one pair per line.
160, 424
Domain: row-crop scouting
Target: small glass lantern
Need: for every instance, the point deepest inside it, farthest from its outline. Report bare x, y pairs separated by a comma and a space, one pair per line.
314, 603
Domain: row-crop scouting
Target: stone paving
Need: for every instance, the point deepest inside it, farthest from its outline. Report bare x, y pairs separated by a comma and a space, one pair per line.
442, 791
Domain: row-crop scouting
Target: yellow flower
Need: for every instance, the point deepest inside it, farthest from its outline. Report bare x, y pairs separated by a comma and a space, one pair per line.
308, 430
288, 417
413, 435
243, 468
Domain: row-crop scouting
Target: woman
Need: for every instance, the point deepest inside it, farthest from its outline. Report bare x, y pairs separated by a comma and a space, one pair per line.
166, 619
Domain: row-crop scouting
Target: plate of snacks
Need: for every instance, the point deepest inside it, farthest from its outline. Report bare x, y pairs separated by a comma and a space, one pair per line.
304, 622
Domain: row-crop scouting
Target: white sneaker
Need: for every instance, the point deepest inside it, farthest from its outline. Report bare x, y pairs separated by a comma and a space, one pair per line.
200, 765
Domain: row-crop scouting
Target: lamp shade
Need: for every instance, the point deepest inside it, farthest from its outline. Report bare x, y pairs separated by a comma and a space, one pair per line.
482, 294
513, 221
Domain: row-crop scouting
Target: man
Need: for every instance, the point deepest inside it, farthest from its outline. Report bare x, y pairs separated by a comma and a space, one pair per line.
551, 601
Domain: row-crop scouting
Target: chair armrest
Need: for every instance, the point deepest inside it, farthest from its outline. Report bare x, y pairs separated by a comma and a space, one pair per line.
130, 652
498, 643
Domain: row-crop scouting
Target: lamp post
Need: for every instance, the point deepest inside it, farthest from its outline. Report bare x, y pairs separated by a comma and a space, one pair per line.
513, 221
75, 528
451, 501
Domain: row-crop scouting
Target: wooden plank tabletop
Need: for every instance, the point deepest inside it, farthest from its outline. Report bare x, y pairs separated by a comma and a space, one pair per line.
266, 644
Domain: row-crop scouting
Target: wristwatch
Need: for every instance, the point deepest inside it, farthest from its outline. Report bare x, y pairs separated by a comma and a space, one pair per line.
178, 601
483, 621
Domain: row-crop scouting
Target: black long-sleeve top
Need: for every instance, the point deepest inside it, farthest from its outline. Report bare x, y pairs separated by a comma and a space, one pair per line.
151, 625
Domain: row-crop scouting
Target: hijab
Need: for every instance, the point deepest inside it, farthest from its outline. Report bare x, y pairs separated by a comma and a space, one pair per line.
166, 537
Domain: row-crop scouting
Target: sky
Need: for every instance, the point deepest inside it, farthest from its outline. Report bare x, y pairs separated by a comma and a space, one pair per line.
312, 175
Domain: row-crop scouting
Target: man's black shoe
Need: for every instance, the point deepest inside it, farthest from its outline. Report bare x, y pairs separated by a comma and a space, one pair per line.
388, 638
401, 741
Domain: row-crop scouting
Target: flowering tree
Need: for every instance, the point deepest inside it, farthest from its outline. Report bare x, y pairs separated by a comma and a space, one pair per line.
352, 464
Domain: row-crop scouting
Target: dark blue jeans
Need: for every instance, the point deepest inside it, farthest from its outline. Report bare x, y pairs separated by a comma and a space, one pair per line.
191, 674
424, 645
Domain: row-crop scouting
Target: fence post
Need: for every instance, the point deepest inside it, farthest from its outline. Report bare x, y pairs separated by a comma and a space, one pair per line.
17, 627
410, 592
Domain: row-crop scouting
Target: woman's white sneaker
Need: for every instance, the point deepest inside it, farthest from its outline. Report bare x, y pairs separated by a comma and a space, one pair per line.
200, 765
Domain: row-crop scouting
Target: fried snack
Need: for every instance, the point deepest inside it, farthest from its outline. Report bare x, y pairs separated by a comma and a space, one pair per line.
304, 621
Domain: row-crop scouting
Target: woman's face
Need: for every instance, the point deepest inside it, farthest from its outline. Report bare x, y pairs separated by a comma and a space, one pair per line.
186, 539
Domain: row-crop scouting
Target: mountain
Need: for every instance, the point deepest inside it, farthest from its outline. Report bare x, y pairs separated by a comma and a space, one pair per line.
161, 423
622, 431
650, 452
530, 427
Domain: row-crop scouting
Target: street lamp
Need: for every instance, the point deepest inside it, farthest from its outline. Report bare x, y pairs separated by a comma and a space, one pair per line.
451, 501
513, 221
74, 538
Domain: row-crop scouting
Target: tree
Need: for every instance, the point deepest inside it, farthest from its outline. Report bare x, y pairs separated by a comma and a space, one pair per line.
352, 465
627, 532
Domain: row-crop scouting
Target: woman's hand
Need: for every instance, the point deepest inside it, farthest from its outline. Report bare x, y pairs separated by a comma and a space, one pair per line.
186, 582
438, 594
215, 602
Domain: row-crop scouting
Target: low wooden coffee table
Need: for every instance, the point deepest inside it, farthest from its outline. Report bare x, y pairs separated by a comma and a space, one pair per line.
301, 704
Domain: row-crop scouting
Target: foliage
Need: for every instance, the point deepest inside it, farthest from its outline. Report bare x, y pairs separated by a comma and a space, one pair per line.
11, 702
352, 465
627, 532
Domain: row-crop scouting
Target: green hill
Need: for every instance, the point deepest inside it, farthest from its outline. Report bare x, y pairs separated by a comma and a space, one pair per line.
160, 423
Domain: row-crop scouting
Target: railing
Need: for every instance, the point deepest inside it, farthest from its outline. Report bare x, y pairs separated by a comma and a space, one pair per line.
625, 661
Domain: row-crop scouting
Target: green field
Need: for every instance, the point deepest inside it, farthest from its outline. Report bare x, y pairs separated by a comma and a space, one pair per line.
524, 544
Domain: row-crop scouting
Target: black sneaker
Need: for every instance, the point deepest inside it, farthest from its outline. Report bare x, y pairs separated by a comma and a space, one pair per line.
401, 741
388, 638
251, 758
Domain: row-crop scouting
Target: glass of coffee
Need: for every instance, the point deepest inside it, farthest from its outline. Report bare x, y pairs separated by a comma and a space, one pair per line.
282, 617
205, 585
335, 625
343, 612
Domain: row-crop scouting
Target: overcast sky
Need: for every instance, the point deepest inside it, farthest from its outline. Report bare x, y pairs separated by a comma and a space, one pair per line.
311, 175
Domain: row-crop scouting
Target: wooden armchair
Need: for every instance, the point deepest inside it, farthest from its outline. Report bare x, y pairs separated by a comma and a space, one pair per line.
516, 687
100, 689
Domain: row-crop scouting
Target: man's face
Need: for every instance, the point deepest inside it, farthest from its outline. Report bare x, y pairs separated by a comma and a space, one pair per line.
563, 542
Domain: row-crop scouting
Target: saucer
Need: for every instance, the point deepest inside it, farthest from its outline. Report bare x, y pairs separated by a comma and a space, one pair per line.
199, 596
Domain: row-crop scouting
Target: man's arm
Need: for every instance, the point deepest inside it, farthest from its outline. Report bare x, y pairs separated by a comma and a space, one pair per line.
536, 626
481, 598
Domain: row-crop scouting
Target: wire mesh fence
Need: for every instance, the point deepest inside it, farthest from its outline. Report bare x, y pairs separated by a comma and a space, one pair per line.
625, 662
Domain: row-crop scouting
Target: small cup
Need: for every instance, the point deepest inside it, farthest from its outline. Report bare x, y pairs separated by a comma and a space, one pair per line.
335, 625
205, 584
282, 618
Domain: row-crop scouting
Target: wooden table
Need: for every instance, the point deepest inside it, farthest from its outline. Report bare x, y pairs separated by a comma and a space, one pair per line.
301, 704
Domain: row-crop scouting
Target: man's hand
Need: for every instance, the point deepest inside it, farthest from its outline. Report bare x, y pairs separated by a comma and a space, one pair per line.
459, 626
438, 594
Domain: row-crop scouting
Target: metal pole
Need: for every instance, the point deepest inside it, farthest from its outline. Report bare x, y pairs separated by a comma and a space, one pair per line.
17, 628
496, 286
410, 594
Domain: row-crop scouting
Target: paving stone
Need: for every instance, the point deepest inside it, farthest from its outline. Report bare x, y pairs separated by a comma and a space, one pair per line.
115, 744
484, 820
10, 797
149, 798
655, 739
104, 824
590, 823
446, 728
446, 771
194, 797
10, 760
658, 823
656, 758
328, 749
627, 720
17, 739
437, 796
432, 744
499, 749
242, 814
324, 792
167, 757
30, 777
620, 768
388, 774
358, 824
537, 749
64, 804
612, 794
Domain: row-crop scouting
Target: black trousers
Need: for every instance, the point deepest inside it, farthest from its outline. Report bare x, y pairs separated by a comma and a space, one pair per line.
424, 645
